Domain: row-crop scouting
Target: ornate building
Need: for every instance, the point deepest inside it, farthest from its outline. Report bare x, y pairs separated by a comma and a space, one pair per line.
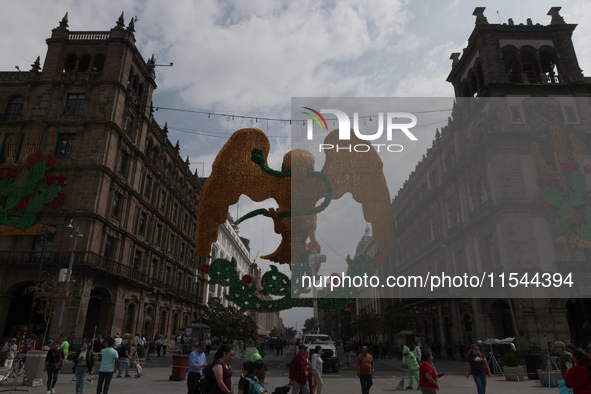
470, 204
128, 190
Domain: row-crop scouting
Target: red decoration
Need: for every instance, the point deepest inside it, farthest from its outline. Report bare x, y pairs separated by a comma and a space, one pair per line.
51, 161
547, 208
60, 180
549, 182
587, 169
30, 161
67, 293
204, 269
576, 215
380, 259
51, 179
540, 182
21, 205
539, 201
54, 204
247, 279
572, 164
9, 174
61, 197
38, 156
565, 169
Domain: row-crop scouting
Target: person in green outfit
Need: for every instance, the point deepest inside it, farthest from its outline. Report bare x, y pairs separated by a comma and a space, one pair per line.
243, 348
255, 356
165, 344
412, 365
65, 347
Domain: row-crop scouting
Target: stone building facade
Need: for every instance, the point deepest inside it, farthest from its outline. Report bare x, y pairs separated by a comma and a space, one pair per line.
469, 204
128, 190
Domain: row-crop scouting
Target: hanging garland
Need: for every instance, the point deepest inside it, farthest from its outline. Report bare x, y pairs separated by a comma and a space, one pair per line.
244, 293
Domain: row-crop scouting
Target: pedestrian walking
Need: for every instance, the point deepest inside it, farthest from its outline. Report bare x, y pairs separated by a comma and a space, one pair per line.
54, 361
298, 372
207, 346
412, 364
317, 364
535, 349
565, 357
476, 362
197, 362
365, 370
10, 349
124, 356
579, 376
65, 347
416, 351
427, 375
222, 372
109, 365
83, 365
260, 367
248, 381
159, 343
165, 344
243, 348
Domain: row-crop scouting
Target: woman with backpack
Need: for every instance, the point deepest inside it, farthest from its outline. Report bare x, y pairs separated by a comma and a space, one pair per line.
476, 362
578, 377
222, 372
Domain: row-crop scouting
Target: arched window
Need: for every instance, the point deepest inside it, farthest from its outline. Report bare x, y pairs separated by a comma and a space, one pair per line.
99, 62
135, 82
84, 64
512, 64
14, 108
140, 91
70, 63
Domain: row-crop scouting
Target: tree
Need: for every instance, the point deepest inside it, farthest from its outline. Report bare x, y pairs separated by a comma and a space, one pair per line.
276, 333
290, 332
309, 325
46, 295
228, 321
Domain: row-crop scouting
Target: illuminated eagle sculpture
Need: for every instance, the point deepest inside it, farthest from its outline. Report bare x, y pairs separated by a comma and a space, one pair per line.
241, 168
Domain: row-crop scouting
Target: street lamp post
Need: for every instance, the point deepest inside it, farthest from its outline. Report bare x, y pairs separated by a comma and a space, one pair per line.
43, 230
68, 275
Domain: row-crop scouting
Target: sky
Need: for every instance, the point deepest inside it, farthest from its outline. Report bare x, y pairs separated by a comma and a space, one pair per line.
250, 59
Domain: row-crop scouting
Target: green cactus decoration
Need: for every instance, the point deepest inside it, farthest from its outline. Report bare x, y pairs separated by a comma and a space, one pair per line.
247, 297
34, 167
566, 197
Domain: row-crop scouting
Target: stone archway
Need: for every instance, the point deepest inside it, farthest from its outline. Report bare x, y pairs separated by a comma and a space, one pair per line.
501, 320
18, 305
99, 314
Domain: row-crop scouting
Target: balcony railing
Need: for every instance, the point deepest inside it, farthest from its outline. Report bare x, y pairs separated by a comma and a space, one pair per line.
485, 206
455, 228
89, 35
61, 258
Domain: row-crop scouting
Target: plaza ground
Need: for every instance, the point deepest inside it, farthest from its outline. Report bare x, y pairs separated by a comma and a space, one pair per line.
387, 376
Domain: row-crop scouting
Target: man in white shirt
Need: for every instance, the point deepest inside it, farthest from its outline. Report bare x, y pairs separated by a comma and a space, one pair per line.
10, 349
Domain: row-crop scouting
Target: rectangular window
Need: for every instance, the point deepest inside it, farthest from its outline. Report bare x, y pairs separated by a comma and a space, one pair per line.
162, 203
115, 204
129, 123
123, 159
109, 246
175, 208
571, 115
185, 222
141, 223
516, 114
158, 234
167, 275
171, 244
137, 260
153, 268
148, 186
65, 145
74, 104
182, 252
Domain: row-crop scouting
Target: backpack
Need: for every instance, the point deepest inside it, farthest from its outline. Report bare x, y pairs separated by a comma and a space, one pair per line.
206, 379
255, 387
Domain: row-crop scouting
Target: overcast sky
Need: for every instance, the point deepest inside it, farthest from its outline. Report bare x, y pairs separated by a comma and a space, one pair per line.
250, 58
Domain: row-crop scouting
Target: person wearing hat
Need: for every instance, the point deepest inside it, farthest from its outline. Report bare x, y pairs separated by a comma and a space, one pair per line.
197, 362
10, 349
365, 370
